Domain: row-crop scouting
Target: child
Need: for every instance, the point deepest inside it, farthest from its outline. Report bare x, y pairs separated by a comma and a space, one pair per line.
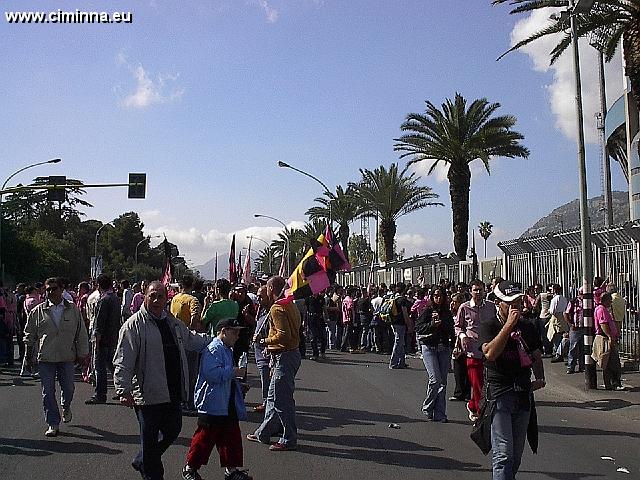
220, 406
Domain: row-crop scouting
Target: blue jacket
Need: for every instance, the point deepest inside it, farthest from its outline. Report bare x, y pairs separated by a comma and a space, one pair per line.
216, 382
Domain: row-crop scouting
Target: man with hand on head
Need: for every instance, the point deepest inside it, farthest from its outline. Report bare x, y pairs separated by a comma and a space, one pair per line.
151, 375
512, 350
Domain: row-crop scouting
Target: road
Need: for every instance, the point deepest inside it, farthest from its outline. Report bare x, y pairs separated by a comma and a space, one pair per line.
345, 405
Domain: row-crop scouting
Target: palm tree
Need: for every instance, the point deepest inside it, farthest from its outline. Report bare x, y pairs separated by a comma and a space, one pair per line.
485, 232
390, 194
606, 22
456, 136
344, 210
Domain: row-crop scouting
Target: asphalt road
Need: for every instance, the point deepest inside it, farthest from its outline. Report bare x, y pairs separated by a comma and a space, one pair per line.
345, 406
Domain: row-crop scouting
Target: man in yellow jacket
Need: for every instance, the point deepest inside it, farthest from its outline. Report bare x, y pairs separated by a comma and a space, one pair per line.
56, 325
282, 346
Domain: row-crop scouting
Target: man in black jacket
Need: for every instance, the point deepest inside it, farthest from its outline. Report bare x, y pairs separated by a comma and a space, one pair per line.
106, 328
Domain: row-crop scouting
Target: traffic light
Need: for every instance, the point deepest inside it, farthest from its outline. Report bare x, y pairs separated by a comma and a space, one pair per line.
137, 185
57, 194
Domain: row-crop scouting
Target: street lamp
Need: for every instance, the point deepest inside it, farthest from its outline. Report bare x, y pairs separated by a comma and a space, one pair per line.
95, 249
148, 237
282, 164
581, 7
268, 251
286, 238
53, 160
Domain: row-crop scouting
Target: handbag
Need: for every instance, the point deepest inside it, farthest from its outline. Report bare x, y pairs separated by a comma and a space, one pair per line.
481, 430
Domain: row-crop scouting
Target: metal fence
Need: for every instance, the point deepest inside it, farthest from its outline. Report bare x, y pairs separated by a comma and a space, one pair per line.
556, 258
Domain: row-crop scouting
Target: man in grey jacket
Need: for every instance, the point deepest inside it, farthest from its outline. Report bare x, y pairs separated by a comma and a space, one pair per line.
151, 375
57, 327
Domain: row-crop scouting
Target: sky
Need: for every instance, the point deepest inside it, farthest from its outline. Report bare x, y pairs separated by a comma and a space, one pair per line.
206, 97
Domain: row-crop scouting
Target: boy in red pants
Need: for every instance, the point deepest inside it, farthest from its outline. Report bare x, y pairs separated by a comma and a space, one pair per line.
220, 405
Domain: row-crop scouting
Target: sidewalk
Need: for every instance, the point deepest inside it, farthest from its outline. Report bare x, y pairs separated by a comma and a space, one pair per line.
561, 386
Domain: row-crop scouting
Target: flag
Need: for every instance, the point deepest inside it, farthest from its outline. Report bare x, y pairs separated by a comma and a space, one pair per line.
317, 270
246, 274
167, 272
283, 267
233, 272
215, 269
239, 268
371, 272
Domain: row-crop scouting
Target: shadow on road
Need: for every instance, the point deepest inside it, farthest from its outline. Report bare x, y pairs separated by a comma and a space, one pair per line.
107, 436
41, 448
603, 405
371, 442
318, 418
566, 430
402, 459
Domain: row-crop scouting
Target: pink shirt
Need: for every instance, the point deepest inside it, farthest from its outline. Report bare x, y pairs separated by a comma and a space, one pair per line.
347, 310
420, 305
602, 316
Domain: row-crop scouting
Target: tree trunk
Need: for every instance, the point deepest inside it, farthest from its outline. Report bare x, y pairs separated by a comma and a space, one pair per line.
459, 185
343, 232
631, 45
388, 233
485, 248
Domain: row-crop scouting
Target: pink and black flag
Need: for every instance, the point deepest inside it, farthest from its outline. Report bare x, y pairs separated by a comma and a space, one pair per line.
233, 272
167, 271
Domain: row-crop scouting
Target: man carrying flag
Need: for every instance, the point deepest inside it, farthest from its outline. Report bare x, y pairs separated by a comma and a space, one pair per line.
167, 272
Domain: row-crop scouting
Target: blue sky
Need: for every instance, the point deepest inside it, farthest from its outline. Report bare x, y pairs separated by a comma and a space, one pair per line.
205, 97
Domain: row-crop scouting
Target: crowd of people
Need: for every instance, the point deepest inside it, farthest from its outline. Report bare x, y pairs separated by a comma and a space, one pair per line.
495, 337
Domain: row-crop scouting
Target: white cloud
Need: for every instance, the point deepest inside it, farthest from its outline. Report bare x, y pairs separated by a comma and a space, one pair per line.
272, 13
440, 173
561, 90
418, 244
149, 92
200, 246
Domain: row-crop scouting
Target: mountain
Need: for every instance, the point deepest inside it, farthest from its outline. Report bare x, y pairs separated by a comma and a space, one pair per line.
207, 271
567, 217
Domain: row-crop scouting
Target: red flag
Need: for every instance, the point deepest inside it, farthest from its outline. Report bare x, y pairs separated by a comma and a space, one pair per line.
233, 272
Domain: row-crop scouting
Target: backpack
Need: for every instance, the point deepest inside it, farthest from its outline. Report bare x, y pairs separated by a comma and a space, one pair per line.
388, 309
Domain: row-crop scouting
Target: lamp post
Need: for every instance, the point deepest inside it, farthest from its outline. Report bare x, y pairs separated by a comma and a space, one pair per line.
286, 237
53, 160
148, 237
95, 249
282, 164
581, 7
268, 250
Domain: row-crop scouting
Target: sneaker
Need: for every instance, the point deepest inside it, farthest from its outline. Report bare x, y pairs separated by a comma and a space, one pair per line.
472, 416
620, 388
280, 447
570, 371
259, 408
314, 358
238, 475
189, 473
66, 415
95, 401
557, 359
52, 431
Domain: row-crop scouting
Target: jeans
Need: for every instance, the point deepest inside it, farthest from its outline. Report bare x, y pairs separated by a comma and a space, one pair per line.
103, 361
366, 340
48, 371
576, 350
542, 330
280, 411
193, 363
318, 335
332, 334
397, 355
160, 425
436, 360
508, 435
